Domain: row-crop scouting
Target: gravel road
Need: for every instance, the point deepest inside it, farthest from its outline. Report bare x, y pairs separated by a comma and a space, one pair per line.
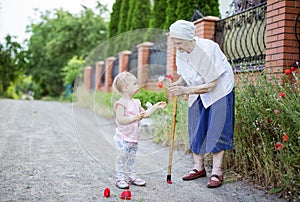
52, 151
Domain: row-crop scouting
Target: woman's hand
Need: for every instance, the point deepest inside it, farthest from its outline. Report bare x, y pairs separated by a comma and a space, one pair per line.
179, 82
179, 90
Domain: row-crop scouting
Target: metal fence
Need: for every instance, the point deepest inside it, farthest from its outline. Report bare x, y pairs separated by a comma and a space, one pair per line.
157, 60
242, 38
93, 73
133, 62
115, 68
103, 75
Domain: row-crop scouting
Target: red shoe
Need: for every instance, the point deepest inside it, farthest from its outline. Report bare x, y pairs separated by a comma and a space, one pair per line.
194, 174
213, 183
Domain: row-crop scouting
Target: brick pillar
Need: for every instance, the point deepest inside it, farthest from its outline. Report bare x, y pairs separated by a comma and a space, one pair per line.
143, 54
171, 59
205, 27
281, 44
99, 67
123, 60
87, 77
108, 73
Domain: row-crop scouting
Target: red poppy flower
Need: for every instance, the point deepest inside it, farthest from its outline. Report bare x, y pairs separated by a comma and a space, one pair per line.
126, 195
280, 94
278, 146
285, 137
170, 77
159, 84
287, 71
292, 69
106, 192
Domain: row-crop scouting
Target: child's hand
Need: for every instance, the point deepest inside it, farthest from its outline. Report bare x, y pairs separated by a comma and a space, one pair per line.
140, 116
161, 105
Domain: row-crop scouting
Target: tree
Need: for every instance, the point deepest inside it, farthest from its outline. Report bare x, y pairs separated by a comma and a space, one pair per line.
114, 19
171, 13
129, 16
185, 9
158, 14
12, 62
140, 15
124, 13
71, 70
132, 15
209, 7
177, 10
58, 37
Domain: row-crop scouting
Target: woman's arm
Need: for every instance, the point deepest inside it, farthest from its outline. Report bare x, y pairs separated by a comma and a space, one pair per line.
182, 90
205, 88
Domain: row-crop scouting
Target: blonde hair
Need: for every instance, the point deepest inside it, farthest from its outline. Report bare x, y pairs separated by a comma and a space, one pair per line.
121, 81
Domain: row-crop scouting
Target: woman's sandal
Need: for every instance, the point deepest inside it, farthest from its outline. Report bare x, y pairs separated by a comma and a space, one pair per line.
194, 174
213, 183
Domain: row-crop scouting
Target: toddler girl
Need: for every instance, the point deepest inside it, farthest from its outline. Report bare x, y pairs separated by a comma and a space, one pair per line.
129, 112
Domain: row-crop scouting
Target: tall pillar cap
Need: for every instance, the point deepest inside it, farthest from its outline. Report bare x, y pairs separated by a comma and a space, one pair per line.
146, 44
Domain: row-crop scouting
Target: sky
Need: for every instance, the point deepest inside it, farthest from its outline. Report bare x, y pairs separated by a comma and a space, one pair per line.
16, 14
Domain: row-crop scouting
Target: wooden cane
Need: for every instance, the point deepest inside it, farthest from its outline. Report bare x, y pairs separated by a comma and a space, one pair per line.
169, 181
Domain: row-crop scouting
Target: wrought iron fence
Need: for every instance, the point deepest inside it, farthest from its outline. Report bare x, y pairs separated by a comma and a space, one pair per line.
238, 6
133, 62
242, 38
93, 73
157, 60
102, 78
115, 68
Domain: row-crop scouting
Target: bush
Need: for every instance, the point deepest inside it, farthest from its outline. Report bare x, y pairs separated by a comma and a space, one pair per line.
162, 119
267, 132
23, 85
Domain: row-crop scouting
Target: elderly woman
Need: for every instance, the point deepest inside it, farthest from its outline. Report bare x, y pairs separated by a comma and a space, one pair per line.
207, 77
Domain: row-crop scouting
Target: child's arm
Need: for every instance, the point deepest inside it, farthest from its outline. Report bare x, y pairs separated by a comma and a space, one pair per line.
152, 109
124, 119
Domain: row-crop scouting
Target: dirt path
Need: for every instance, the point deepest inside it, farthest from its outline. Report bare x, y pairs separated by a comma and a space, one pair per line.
51, 151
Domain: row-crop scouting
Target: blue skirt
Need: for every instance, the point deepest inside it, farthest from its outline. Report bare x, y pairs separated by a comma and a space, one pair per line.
211, 130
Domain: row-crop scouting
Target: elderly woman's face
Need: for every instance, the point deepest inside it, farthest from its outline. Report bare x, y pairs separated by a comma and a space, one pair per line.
181, 44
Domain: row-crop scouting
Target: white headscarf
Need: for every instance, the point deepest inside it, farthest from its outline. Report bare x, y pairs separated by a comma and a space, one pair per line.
182, 29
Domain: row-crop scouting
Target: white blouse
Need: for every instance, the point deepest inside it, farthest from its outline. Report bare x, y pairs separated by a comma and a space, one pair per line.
203, 65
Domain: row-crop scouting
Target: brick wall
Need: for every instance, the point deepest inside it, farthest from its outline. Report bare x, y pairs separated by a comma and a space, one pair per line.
171, 59
108, 73
143, 54
87, 77
205, 27
281, 45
